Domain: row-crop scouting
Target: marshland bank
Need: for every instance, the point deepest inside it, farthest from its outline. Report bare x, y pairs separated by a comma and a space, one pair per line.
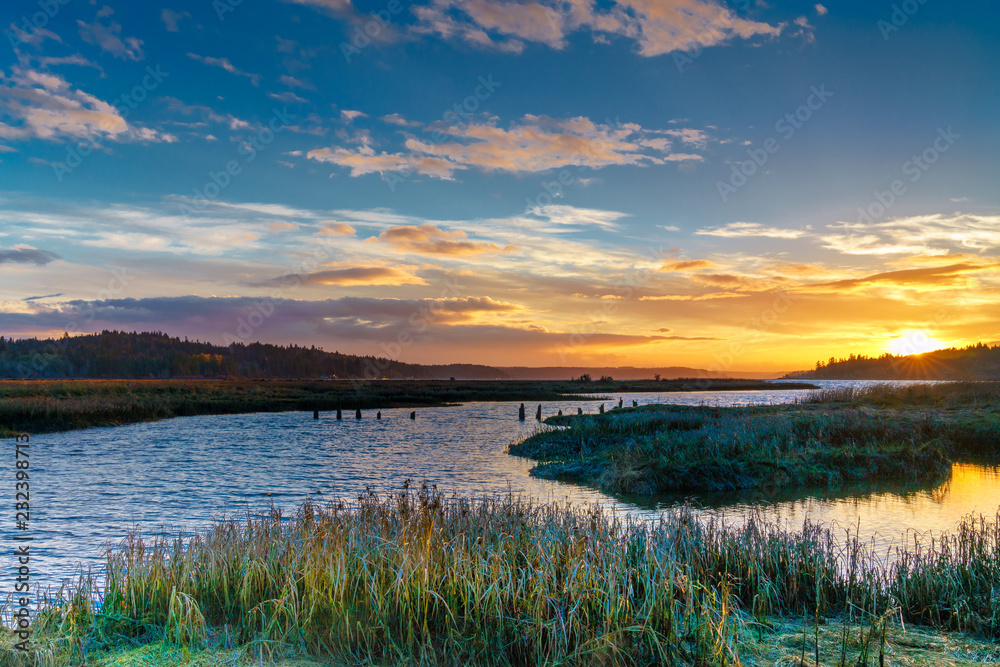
46, 406
830, 439
418, 578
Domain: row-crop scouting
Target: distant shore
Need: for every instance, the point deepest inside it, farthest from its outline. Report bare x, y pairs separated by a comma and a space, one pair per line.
45, 406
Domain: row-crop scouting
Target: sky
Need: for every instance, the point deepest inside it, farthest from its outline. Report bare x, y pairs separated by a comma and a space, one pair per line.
728, 185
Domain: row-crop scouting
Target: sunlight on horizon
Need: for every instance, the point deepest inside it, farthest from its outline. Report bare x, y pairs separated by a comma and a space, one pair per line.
915, 342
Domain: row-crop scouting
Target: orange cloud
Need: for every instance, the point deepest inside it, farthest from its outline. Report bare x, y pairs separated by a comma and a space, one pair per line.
336, 229
687, 265
350, 277
427, 239
938, 276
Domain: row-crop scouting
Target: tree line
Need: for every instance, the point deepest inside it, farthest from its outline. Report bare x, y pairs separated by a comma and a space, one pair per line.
120, 354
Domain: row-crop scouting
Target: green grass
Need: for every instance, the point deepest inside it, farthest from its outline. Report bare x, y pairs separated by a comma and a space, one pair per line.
834, 438
415, 578
44, 406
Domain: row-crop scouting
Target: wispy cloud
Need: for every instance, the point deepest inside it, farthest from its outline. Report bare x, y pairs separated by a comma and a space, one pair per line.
749, 229
226, 65
108, 37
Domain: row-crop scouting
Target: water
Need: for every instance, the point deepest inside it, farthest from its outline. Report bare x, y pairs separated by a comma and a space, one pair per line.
88, 488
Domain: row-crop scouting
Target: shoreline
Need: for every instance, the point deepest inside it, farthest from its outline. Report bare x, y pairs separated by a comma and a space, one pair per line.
48, 406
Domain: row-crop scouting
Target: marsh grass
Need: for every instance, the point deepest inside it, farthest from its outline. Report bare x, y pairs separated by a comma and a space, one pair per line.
418, 578
833, 438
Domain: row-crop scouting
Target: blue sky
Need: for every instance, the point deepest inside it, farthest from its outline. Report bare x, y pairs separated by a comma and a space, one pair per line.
731, 185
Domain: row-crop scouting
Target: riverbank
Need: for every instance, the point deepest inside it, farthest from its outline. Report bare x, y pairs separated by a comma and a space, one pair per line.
45, 406
833, 438
417, 578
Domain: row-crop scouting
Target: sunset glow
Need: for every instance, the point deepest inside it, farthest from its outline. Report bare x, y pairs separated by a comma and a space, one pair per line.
523, 183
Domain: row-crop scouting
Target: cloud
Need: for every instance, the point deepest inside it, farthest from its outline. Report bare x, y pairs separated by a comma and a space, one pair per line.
687, 265
348, 115
336, 229
292, 82
396, 119
45, 296
41, 105
577, 217
26, 254
747, 229
171, 19
917, 235
821, 10
533, 144
430, 240
359, 276
108, 38
226, 65
938, 277
207, 113
657, 26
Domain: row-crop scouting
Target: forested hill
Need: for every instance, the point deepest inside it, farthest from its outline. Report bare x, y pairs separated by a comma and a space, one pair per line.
117, 354
976, 362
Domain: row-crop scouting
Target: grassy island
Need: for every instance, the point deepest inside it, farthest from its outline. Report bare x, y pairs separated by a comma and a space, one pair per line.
831, 438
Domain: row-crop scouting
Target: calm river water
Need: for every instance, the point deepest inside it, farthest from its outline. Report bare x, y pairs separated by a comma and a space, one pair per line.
89, 487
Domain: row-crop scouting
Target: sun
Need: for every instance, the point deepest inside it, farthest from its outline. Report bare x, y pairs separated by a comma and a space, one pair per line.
914, 342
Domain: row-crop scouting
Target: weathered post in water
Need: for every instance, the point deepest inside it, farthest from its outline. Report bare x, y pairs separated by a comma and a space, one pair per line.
601, 410
520, 412
635, 403
315, 414
357, 415
620, 402
538, 413
560, 412
413, 415
378, 415
579, 411
339, 416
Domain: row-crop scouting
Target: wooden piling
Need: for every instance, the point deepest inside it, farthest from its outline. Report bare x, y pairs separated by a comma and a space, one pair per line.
635, 403
315, 414
601, 410
378, 415
560, 412
538, 413
339, 416
413, 415
357, 415
520, 412
579, 411
621, 401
